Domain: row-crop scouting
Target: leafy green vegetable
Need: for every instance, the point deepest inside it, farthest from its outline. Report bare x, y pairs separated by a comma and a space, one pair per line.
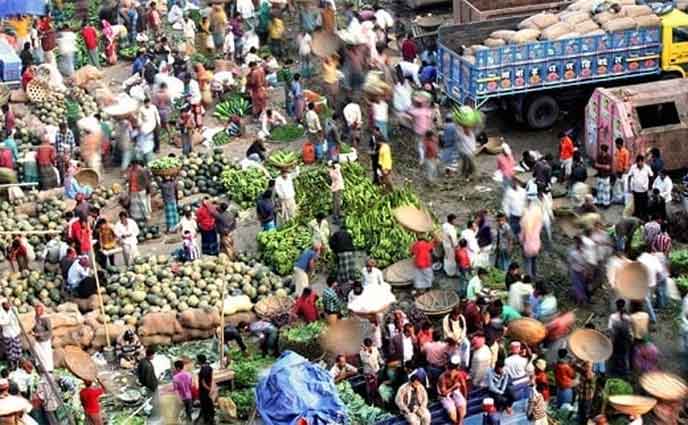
616, 386
248, 367
358, 412
495, 278
678, 260
287, 133
345, 149
244, 186
304, 333
164, 163
245, 400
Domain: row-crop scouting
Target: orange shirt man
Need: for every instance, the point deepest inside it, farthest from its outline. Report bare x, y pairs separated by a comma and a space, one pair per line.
622, 157
566, 153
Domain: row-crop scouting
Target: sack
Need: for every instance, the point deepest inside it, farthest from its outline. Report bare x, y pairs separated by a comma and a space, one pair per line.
541, 21
154, 340
555, 31
619, 24
586, 26
525, 36
99, 340
198, 318
633, 11
505, 35
65, 319
159, 324
573, 18
582, 5
647, 21
604, 17
569, 36
494, 42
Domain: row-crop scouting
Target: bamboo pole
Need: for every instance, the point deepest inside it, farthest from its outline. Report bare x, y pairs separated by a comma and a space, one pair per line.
94, 265
222, 325
8, 185
31, 232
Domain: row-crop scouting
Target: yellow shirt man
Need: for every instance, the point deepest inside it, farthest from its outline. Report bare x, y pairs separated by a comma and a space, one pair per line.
276, 29
385, 157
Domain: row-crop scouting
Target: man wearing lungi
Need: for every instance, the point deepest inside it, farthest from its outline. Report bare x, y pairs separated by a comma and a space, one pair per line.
43, 333
342, 246
11, 341
46, 159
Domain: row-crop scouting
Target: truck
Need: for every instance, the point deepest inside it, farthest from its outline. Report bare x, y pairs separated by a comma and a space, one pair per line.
644, 116
466, 11
531, 81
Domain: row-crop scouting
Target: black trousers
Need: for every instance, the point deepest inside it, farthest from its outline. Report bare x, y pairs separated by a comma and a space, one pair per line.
640, 201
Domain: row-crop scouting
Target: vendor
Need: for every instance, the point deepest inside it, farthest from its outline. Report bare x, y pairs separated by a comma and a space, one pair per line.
270, 119
342, 246
72, 187
129, 349
342, 370
80, 279
266, 332
257, 151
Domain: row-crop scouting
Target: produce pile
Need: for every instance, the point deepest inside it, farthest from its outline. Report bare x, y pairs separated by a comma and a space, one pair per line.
283, 159
153, 285
164, 163
201, 173
45, 214
287, 133
27, 288
233, 105
357, 410
303, 339
74, 104
221, 138
244, 186
368, 218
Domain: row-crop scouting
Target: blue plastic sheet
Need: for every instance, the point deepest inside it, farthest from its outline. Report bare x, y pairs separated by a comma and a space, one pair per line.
295, 388
21, 7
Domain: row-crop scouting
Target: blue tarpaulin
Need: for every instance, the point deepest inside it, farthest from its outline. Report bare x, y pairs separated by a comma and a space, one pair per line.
21, 7
295, 388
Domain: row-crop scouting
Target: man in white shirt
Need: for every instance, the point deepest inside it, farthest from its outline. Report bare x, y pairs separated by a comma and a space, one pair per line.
284, 188
354, 121
514, 205
78, 271
664, 186
410, 70
519, 292
127, 232
370, 359
639, 182
381, 116
337, 189
66, 48
342, 370
10, 333
270, 119
518, 367
149, 121
371, 274
383, 19
469, 234
655, 264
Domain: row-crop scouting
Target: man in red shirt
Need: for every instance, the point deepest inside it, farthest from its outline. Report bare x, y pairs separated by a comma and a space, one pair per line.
566, 153
305, 307
431, 155
564, 375
88, 32
89, 400
46, 160
421, 250
409, 50
463, 265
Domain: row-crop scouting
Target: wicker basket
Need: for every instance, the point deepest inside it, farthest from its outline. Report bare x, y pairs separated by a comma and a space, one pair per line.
36, 92
80, 363
400, 273
413, 218
273, 306
166, 172
631, 281
88, 176
527, 330
437, 302
590, 345
664, 386
5, 94
633, 405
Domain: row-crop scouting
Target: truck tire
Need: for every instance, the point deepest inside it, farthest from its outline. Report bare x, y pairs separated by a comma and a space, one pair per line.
542, 112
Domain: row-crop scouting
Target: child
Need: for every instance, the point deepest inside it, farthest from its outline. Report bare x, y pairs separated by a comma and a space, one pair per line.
490, 415
190, 249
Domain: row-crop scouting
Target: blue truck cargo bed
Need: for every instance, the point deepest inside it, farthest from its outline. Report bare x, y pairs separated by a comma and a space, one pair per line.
521, 68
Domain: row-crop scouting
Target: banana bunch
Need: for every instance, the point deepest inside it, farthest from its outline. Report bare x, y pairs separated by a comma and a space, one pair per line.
280, 248
235, 105
221, 138
466, 116
310, 185
244, 186
283, 159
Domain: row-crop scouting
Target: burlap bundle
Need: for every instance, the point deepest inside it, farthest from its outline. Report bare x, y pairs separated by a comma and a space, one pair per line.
619, 24
159, 324
555, 31
198, 318
527, 35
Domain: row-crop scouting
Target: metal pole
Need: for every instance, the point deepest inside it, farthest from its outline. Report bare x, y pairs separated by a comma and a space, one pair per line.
53, 386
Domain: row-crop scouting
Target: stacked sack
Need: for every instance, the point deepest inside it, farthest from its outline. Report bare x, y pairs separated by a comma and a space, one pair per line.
159, 328
579, 19
68, 326
197, 323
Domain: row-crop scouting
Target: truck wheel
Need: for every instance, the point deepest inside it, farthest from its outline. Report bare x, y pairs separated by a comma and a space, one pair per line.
542, 112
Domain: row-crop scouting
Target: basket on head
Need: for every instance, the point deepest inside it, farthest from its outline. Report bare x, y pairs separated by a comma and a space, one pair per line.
590, 345
664, 386
14, 404
633, 405
80, 363
273, 306
631, 281
166, 172
437, 302
88, 176
493, 146
527, 330
413, 218
429, 22
400, 273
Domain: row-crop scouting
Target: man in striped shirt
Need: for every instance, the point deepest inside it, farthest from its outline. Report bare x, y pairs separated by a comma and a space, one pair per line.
662, 242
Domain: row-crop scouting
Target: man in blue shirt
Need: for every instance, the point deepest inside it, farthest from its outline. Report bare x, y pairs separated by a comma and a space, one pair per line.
448, 140
139, 63
304, 265
428, 73
265, 209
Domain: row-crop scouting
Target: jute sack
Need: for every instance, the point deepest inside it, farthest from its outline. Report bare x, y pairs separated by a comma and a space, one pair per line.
574, 18
539, 21
198, 318
64, 330
584, 5
159, 324
555, 31
188, 334
63, 319
633, 11
586, 26
153, 340
647, 21
604, 17
569, 36
82, 337
67, 307
525, 36
494, 42
115, 331
92, 319
505, 35
59, 358
598, 31
619, 24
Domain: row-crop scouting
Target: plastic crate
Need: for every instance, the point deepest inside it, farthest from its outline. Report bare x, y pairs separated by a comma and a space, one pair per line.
11, 71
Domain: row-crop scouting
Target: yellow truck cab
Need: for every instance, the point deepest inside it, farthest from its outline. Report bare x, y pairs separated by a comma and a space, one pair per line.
675, 42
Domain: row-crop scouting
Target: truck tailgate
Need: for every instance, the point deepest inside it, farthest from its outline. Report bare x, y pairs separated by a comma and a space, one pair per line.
522, 68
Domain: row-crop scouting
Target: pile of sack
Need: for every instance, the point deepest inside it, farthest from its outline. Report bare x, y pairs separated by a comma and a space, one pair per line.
165, 328
581, 18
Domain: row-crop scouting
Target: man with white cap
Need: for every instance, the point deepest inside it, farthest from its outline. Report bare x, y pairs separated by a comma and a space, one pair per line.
412, 400
490, 415
11, 332
452, 390
517, 365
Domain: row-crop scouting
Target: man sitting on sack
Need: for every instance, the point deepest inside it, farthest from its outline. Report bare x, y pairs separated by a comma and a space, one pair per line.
129, 349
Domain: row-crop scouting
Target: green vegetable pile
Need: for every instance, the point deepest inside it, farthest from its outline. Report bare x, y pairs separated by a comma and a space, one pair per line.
235, 105
164, 163
221, 138
245, 401
287, 133
304, 333
248, 368
244, 186
616, 386
495, 279
281, 247
283, 159
678, 260
358, 412
128, 52
304, 339
345, 149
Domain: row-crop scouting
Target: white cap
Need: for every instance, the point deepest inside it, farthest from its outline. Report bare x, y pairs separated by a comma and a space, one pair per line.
455, 360
488, 402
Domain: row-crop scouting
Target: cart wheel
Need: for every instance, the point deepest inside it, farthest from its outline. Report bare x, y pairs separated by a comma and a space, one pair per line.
542, 112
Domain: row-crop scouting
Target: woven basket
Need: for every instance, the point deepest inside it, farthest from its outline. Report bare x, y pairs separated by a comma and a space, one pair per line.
590, 345
631, 281
273, 306
633, 405
527, 330
664, 386
80, 363
14, 404
413, 218
36, 92
88, 176
166, 172
400, 273
437, 302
